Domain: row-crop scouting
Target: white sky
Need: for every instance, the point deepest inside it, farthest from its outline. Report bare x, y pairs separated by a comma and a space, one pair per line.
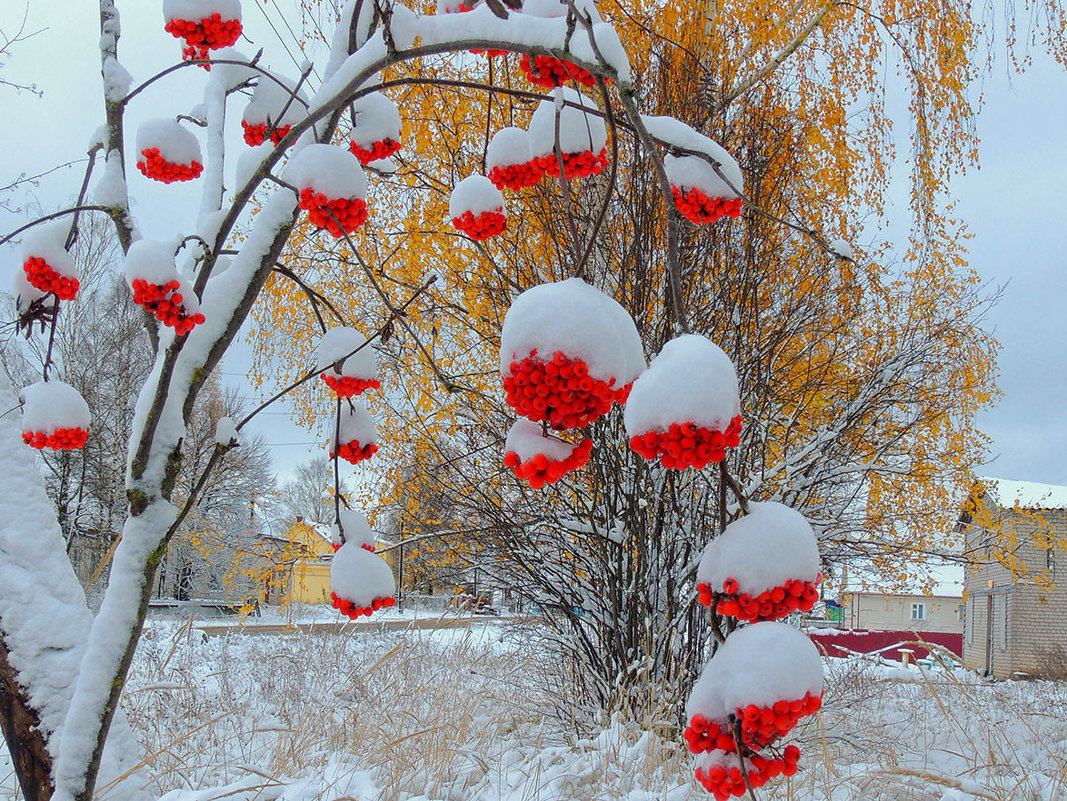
1013, 204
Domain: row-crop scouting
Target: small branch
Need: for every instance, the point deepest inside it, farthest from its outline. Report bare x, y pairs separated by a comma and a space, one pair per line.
48, 217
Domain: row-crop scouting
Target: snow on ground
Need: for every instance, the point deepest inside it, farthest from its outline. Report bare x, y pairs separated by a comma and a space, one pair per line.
463, 715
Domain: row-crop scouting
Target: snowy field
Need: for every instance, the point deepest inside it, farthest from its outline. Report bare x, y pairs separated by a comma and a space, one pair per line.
466, 715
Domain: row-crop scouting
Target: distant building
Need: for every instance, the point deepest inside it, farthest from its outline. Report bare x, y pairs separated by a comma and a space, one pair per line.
1015, 619
877, 611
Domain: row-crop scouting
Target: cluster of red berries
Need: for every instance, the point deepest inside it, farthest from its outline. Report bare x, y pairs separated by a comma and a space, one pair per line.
518, 176
349, 212
541, 470
761, 726
157, 168
379, 150
576, 165
560, 391
355, 453
167, 304
708, 735
686, 445
347, 386
482, 226
41, 275
795, 595
63, 439
723, 782
210, 33
257, 133
698, 208
349, 609
551, 72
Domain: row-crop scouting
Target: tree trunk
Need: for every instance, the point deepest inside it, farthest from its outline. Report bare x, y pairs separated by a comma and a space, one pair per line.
22, 731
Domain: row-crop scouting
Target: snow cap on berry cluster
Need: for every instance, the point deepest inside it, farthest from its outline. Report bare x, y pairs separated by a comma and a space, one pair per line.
355, 527
357, 424
579, 130
196, 10
270, 98
327, 170
763, 663
508, 147
741, 552
475, 194
573, 318
340, 341
47, 242
706, 699
359, 576
53, 405
376, 119
176, 144
694, 172
225, 431
691, 380
153, 261
527, 440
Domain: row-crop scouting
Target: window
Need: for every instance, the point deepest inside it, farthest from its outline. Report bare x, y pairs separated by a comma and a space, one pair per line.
1050, 560
918, 611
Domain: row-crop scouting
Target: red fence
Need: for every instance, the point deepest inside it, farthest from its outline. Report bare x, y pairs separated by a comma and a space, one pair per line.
884, 643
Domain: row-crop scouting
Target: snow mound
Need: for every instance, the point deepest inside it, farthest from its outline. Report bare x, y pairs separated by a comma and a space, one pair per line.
328, 170
175, 143
573, 318
52, 405
475, 194
195, 10
508, 147
842, 249
527, 441
356, 425
377, 119
47, 242
225, 431
152, 261
340, 341
271, 96
691, 380
694, 172
356, 529
579, 130
359, 576
762, 550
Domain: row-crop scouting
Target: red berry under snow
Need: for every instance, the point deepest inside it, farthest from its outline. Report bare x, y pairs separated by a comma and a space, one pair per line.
62, 439
541, 469
560, 391
349, 609
510, 162
257, 133
481, 226
722, 777
347, 386
353, 452
793, 596
686, 445
701, 209
351, 213
762, 725
379, 150
204, 35
576, 165
167, 304
518, 176
157, 168
550, 72
41, 275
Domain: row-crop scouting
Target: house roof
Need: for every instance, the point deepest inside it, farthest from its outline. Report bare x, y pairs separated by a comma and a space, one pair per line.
1027, 494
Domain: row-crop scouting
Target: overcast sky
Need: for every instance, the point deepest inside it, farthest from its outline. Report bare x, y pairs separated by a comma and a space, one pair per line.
1014, 204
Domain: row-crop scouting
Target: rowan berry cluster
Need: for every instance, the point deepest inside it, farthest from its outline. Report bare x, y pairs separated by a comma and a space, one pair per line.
257, 133
349, 212
698, 208
41, 275
551, 72
795, 595
723, 782
62, 439
518, 176
541, 470
482, 226
167, 304
157, 168
210, 33
347, 386
576, 165
708, 735
560, 391
379, 150
349, 609
686, 445
762, 725
355, 453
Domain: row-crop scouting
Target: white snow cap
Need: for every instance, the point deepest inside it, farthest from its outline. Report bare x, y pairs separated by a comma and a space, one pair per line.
376, 119
357, 424
269, 99
475, 194
225, 431
574, 318
706, 699
690, 381
356, 528
359, 576
151, 260
329, 170
764, 549
176, 144
46, 242
339, 342
508, 147
51, 405
688, 172
196, 10
453, 6
761, 664
842, 249
527, 440
578, 130
231, 75
25, 292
